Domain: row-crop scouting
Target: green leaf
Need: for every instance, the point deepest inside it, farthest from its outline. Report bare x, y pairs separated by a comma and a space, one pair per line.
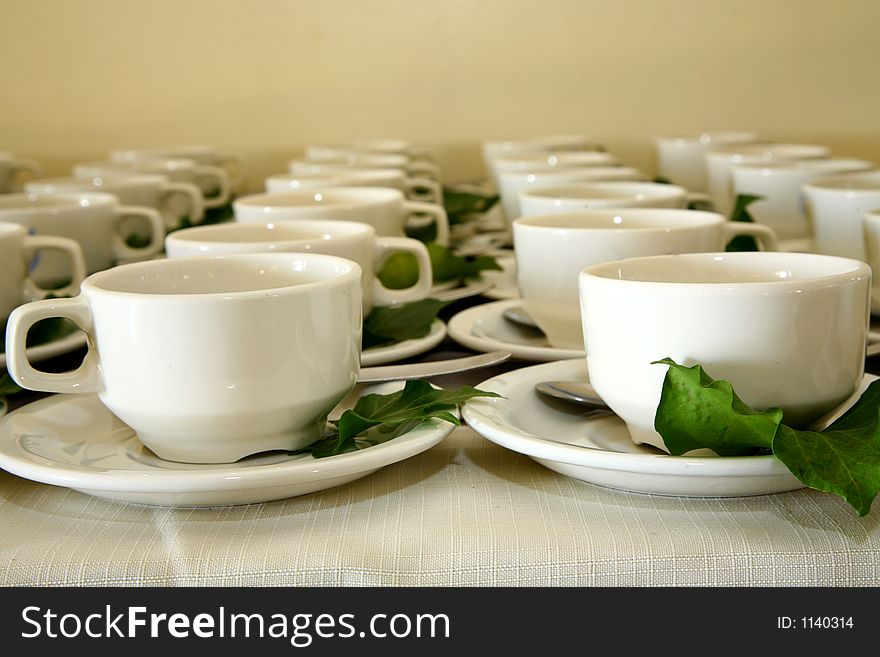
461, 206
135, 241
696, 411
7, 387
661, 180
740, 213
844, 459
401, 269
42, 332
390, 324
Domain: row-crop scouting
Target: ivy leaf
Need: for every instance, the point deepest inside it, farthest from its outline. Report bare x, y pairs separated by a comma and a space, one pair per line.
390, 324
740, 213
401, 270
460, 206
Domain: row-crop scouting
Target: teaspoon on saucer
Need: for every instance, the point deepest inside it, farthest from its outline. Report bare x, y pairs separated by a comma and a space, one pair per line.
518, 315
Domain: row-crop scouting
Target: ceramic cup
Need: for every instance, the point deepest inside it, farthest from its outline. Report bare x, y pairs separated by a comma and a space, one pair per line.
95, 220
505, 148
358, 160
17, 250
414, 188
514, 183
720, 161
786, 329
872, 246
780, 186
346, 239
211, 359
175, 201
11, 168
585, 196
203, 154
836, 206
212, 180
377, 146
681, 160
544, 161
386, 210
552, 249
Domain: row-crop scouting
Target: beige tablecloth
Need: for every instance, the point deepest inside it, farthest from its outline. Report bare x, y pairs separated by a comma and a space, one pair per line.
466, 512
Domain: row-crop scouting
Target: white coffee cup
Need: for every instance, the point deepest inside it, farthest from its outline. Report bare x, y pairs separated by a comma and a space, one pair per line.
872, 246
836, 206
720, 161
11, 168
212, 180
354, 160
780, 184
232, 163
384, 209
378, 146
414, 188
94, 220
345, 239
787, 330
514, 183
681, 160
211, 359
553, 161
17, 250
585, 196
510, 148
552, 249
175, 201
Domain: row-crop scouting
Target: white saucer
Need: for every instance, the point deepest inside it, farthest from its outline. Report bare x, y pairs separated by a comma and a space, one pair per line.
70, 342
74, 441
599, 450
504, 284
405, 349
484, 328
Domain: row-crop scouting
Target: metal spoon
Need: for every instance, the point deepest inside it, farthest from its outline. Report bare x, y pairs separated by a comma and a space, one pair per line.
431, 368
518, 315
577, 392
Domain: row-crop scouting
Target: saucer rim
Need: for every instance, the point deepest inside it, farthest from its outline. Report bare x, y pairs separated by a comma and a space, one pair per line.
405, 349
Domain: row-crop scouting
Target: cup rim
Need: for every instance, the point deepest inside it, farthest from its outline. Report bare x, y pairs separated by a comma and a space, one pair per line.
837, 183
93, 282
560, 192
569, 171
689, 219
341, 175
709, 137
817, 166
8, 229
65, 200
336, 229
768, 150
113, 179
521, 160
349, 197
852, 270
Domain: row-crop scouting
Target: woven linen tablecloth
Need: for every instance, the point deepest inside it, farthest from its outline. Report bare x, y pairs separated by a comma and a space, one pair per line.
464, 513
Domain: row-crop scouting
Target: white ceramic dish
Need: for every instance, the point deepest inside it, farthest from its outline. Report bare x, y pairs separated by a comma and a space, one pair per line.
599, 450
504, 284
74, 441
63, 345
484, 328
405, 349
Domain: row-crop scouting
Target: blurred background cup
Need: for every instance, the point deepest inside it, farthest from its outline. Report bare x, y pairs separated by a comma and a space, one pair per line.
96, 221
420, 189
212, 180
552, 249
514, 183
231, 163
377, 146
345, 239
210, 360
786, 329
549, 161
720, 161
836, 207
17, 251
780, 186
384, 209
615, 194
507, 148
682, 160
355, 160
177, 202
13, 169
872, 246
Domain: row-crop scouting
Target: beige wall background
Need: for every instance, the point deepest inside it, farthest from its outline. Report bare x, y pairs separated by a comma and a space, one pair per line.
266, 77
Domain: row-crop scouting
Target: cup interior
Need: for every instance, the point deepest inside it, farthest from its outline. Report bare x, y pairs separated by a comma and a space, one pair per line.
868, 181
790, 269
663, 220
608, 190
272, 233
326, 197
217, 277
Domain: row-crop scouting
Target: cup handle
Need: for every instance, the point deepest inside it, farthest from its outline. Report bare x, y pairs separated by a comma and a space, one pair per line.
430, 188
221, 179
34, 243
764, 234
18, 166
86, 378
233, 164
195, 204
423, 169
441, 220
383, 296
121, 250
